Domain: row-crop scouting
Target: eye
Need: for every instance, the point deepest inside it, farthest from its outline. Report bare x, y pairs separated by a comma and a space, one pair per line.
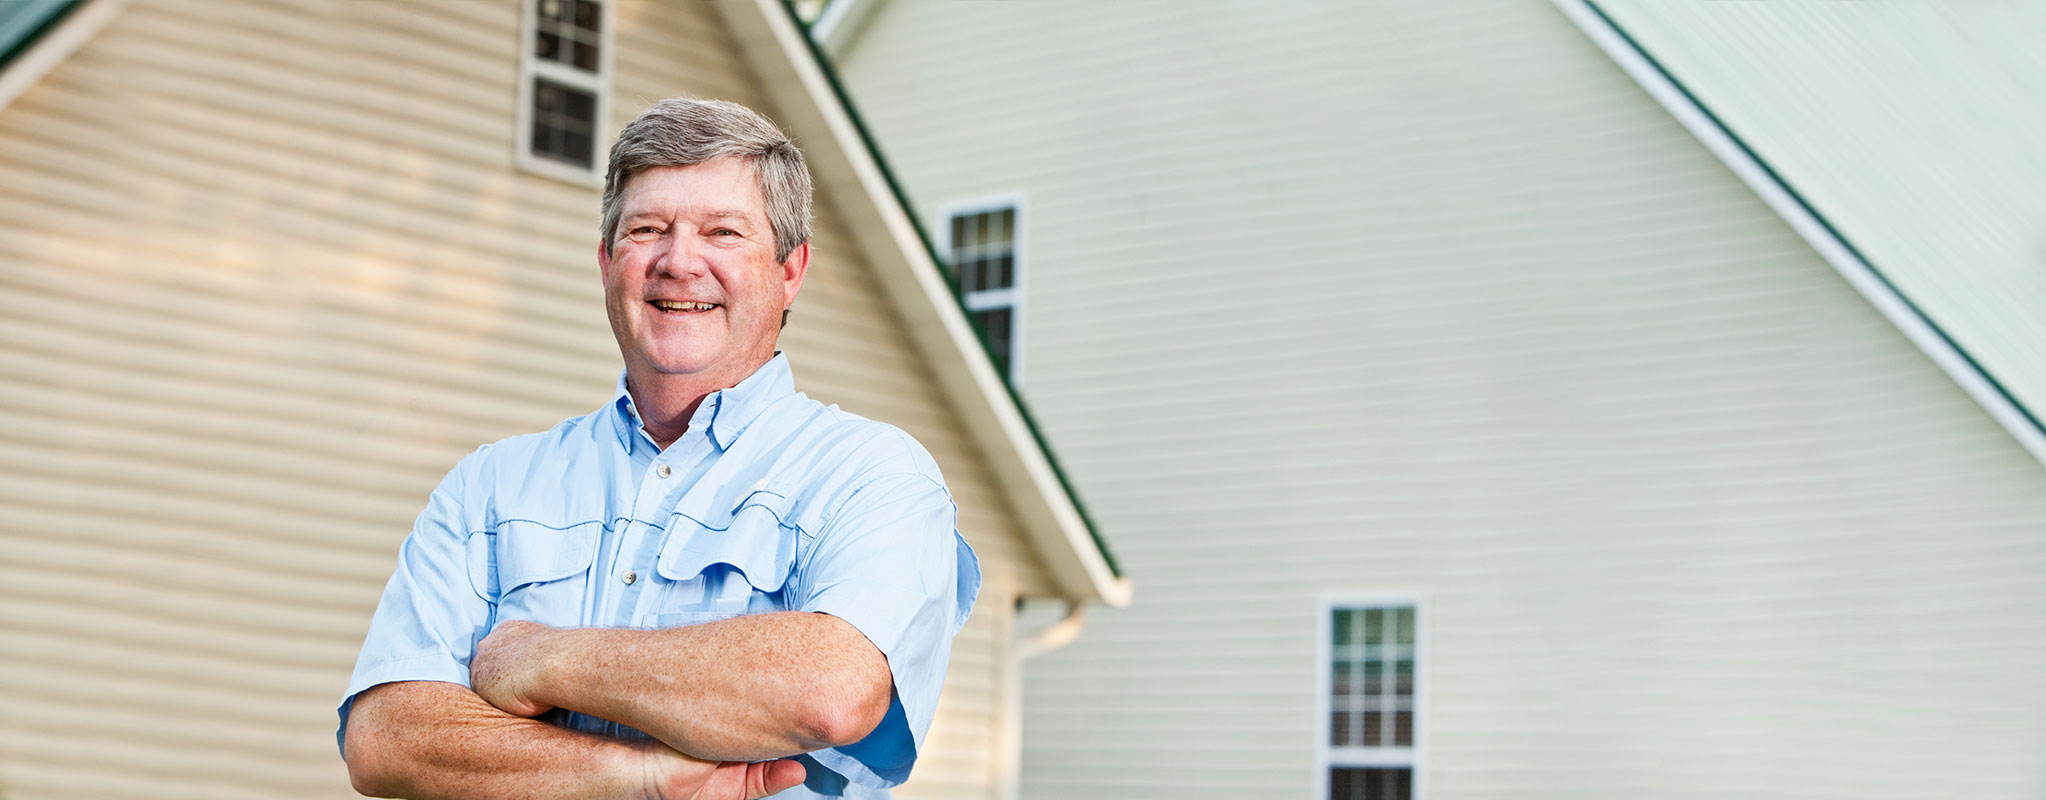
643, 233
724, 232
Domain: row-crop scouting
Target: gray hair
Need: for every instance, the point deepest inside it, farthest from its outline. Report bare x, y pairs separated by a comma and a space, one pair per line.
682, 131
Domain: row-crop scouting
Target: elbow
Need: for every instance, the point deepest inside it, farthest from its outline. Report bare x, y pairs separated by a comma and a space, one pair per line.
365, 770
370, 766
844, 719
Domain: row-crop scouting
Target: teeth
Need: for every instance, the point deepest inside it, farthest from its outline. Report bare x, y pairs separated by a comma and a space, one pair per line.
671, 305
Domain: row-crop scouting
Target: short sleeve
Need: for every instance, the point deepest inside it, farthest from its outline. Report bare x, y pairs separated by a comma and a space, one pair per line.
891, 563
430, 618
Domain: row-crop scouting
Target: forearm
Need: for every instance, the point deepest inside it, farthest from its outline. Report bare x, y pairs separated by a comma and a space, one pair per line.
752, 687
426, 739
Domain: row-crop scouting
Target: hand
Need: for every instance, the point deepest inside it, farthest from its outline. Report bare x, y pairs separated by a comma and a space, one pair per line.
507, 669
673, 775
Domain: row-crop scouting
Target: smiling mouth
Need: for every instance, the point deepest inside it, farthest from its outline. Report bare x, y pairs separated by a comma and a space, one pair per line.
681, 306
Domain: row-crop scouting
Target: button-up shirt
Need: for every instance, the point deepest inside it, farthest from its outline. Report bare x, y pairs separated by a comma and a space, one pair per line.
769, 502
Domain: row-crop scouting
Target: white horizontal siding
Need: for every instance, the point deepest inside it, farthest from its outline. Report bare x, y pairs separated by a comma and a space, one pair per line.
1430, 297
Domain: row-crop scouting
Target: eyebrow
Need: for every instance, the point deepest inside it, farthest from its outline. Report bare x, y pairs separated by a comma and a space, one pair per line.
720, 214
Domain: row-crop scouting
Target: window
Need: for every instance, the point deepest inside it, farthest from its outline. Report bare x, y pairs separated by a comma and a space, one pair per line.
564, 75
1370, 698
983, 247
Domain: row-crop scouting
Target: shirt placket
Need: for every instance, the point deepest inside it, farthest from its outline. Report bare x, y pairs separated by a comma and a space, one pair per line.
630, 571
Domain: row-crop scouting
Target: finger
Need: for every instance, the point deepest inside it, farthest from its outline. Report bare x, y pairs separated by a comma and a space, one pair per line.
767, 777
726, 782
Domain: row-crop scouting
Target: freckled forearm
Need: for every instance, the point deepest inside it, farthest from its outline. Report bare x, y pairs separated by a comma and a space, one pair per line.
425, 739
748, 688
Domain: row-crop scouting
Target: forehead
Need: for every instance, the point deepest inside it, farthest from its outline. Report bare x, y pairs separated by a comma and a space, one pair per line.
720, 184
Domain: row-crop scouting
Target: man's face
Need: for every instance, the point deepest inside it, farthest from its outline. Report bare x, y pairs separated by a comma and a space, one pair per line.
690, 279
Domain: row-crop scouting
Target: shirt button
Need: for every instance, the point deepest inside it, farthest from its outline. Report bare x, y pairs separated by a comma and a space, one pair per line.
663, 470
629, 577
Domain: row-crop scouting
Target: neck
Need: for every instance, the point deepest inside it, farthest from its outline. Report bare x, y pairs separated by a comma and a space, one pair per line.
666, 402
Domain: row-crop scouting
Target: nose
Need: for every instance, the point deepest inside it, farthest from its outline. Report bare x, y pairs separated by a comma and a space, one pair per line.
677, 257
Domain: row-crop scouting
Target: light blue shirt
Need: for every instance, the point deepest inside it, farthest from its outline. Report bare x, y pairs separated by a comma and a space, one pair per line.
770, 502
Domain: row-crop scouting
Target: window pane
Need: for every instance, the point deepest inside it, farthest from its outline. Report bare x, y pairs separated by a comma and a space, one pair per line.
1340, 673
998, 275
1006, 226
577, 142
564, 121
582, 106
1374, 679
997, 230
1374, 725
958, 238
1342, 626
997, 322
1404, 680
1403, 728
587, 16
543, 137
548, 47
585, 56
1339, 729
973, 237
969, 275
1374, 626
1406, 626
1343, 784
1370, 783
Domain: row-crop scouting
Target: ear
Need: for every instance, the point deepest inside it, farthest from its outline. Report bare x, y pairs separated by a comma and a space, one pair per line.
792, 272
604, 260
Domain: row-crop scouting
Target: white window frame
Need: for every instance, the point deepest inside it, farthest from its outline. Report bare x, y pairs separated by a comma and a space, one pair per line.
1326, 756
1012, 297
530, 66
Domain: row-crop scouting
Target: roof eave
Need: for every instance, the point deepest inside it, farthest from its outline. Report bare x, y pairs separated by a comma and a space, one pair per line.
25, 63
811, 107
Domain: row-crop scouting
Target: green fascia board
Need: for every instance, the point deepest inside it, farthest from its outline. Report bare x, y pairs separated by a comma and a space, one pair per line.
22, 22
923, 236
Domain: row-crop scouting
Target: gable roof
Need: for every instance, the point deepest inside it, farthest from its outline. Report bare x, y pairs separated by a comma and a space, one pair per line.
1922, 188
844, 161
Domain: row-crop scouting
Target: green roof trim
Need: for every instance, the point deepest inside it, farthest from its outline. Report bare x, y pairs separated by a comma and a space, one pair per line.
924, 237
23, 22
1909, 304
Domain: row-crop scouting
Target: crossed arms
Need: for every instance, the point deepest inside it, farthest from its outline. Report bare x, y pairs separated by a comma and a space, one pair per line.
713, 696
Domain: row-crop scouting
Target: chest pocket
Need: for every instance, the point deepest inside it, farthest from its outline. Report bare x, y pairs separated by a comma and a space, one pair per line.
721, 562
532, 572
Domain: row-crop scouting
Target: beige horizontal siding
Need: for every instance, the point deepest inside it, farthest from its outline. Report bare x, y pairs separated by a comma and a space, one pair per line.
266, 273
1430, 297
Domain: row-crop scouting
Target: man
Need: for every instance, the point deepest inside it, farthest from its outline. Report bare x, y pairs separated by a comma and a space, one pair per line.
671, 596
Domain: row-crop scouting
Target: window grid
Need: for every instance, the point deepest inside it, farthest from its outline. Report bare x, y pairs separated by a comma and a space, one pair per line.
982, 251
1372, 700
1372, 691
563, 94
563, 122
569, 32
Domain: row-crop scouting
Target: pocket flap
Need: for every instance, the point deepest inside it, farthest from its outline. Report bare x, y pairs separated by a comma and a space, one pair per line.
748, 537
529, 552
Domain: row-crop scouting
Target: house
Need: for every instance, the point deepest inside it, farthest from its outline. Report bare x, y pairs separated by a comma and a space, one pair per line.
269, 269
1482, 423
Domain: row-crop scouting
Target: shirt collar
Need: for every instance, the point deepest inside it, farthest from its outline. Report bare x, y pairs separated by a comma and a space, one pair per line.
723, 414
